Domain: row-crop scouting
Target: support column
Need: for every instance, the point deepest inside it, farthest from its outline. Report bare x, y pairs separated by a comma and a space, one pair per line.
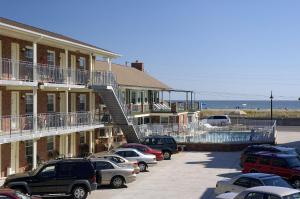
92, 112
35, 61
109, 63
91, 141
187, 100
34, 154
66, 147
170, 98
91, 67
67, 65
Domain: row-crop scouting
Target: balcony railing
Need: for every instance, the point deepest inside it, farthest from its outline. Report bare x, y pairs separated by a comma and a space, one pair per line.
60, 75
16, 70
13, 125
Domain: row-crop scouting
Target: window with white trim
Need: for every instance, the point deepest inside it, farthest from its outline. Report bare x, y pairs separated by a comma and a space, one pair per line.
29, 53
82, 138
51, 58
82, 63
29, 103
51, 103
50, 143
82, 102
29, 151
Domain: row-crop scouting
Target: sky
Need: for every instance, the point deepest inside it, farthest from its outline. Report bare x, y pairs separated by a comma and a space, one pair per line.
222, 49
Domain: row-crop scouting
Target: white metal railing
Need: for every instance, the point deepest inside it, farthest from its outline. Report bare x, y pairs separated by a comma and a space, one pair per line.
251, 131
16, 70
12, 125
60, 75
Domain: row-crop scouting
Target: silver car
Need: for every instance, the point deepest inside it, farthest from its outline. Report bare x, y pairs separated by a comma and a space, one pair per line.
144, 160
120, 161
109, 173
263, 192
244, 181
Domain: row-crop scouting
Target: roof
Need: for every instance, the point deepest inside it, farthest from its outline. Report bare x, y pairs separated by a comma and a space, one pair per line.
131, 77
281, 191
49, 33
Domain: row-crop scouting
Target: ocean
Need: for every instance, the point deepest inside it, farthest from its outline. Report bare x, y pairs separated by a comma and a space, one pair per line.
250, 104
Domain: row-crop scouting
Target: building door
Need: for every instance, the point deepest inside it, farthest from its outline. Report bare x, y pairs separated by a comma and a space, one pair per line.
73, 69
14, 110
1, 63
63, 67
15, 61
14, 157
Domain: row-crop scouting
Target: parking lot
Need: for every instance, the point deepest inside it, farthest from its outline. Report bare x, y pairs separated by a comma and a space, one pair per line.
188, 175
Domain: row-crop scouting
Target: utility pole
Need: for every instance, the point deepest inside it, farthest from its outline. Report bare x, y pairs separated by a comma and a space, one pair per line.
271, 98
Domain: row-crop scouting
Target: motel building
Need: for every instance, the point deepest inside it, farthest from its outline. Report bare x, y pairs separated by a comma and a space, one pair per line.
58, 100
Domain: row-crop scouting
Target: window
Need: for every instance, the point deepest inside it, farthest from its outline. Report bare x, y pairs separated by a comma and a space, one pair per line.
51, 103
29, 103
255, 182
50, 143
29, 151
133, 97
115, 159
82, 138
48, 171
272, 197
29, 54
82, 102
130, 154
103, 165
102, 133
51, 58
265, 161
279, 163
121, 153
170, 141
160, 141
82, 63
254, 195
65, 170
251, 159
243, 182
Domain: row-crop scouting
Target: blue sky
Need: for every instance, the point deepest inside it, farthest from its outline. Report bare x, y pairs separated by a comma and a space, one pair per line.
224, 49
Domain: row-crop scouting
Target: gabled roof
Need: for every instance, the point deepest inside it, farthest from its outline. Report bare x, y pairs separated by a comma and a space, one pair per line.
50, 34
131, 77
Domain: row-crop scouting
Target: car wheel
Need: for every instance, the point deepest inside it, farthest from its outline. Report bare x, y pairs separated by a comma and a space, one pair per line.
79, 192
143, 166
296, 183
167, 155
117, 182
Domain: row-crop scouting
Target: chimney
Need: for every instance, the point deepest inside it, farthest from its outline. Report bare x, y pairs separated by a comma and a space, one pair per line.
138, 65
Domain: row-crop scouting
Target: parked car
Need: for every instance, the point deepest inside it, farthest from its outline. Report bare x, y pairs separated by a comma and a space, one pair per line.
267, 148
74, 177
120, 161
144, 160
245, 181
166, 144
217, 120
284, 165
145, 149
109, 173
263, 192
13, 194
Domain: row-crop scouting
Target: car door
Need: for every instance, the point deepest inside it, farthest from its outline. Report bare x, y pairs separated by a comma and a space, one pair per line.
107, 172
264, 165
65, 176
45, 181
280, 167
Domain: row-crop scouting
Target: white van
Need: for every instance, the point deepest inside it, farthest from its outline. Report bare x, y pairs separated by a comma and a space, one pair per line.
218, 120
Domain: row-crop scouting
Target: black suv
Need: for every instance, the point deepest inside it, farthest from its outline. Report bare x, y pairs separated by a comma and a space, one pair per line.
75, 177
164, 143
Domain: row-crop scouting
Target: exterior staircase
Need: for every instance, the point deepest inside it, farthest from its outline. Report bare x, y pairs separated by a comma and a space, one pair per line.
105, 84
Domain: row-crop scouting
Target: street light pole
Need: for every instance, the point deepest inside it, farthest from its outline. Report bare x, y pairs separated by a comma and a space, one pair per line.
271, 98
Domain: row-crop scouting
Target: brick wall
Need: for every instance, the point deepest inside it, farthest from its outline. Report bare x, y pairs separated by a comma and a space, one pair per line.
6, 46
78, 55
42, 52
5, 158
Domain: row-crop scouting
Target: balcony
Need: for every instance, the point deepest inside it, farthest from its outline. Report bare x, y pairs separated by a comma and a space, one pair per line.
59, 75
14, 72
17, 128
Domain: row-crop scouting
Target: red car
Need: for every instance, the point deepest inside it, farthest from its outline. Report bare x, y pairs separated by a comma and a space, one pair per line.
284, 165
13, 194
145, 149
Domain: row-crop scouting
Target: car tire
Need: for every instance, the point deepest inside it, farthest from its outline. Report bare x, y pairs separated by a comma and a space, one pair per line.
143, 166
20, 189
167, 155
253, 171
296, 183
79, 192
117, 182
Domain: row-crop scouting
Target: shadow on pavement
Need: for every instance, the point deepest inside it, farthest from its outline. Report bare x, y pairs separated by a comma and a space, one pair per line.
208, 194
230, 175
217, 160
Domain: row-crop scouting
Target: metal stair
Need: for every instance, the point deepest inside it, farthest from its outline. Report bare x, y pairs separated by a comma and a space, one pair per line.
106, 86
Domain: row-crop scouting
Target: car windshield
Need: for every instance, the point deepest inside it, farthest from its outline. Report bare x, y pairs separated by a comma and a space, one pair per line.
293, 162
277, 181
293, 196
21, 195
35, 171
